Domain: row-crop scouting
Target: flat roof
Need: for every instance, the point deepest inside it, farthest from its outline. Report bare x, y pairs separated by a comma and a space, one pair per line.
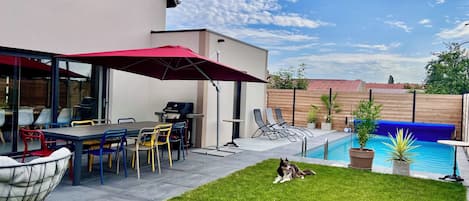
211, 31
24, 52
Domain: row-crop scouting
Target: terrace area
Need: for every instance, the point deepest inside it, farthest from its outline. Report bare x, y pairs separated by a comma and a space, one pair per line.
199, 169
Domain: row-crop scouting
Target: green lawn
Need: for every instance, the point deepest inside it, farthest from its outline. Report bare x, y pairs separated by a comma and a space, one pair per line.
330, 183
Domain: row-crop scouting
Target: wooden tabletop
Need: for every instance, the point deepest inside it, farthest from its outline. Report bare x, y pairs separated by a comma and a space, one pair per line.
454, 143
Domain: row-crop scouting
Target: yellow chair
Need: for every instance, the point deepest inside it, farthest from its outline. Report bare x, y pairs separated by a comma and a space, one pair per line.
91, 144
146, 141
164, 132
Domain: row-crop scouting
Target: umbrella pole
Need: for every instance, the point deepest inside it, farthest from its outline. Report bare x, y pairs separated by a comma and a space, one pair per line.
218, 116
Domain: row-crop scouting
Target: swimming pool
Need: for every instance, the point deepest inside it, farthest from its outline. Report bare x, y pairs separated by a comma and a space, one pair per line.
429, 157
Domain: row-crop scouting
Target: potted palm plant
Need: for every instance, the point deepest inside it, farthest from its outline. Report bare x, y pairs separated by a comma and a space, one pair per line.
400, 150
312, 116
367, 113
330, 106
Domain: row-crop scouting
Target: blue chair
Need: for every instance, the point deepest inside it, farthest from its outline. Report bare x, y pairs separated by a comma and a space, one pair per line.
177, 135
111, 135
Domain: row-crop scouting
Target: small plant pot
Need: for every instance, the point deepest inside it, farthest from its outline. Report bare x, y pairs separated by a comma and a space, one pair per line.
361, 159
311, 125
400, 167
326, 126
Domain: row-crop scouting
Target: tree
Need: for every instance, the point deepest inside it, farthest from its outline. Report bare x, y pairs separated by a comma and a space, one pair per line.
289, 78
391, 79
449, 73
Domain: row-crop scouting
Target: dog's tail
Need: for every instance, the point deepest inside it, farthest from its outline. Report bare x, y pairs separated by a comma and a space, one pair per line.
309, 172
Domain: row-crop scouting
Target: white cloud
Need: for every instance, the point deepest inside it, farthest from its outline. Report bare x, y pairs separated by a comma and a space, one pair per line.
400, 25
381, 47
426, 23
461, 31
265, 36
213, 13
292, 47
368, 67
292, 1
440, 1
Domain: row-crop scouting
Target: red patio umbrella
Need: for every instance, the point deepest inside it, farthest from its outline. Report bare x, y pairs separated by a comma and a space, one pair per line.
30, 67
167, 63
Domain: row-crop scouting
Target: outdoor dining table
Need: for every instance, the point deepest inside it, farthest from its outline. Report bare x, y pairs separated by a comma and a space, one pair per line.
79, 134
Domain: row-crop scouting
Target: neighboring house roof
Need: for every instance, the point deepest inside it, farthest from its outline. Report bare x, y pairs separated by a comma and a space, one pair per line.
336, 85
384, 86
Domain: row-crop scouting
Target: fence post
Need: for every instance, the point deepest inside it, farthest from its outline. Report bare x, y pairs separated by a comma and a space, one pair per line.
330, 102
413, 107
294, 102
370, 97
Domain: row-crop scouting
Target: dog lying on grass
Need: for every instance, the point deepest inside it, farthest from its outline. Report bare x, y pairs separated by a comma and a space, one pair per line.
288, 171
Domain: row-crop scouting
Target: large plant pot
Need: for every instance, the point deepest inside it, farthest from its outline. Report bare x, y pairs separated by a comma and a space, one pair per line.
326, 126
311, 125
361, 159
400, 167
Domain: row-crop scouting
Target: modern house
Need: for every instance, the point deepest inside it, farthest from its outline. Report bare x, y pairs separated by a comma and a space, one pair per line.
38, 30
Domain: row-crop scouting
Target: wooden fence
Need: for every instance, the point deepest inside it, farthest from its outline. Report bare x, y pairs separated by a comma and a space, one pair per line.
429, 108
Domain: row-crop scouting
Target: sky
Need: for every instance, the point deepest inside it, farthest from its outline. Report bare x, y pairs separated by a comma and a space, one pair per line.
336, 39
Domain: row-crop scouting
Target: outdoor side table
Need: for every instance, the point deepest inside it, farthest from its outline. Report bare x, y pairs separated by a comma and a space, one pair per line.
456, 144
233, 121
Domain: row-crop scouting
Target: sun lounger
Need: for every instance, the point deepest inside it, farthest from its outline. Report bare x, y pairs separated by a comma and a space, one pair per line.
292, 129
282, 122
268, 131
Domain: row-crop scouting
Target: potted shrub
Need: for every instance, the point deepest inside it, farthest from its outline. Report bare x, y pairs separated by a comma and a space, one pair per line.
400, 148
330, 106
312, 116
367, 113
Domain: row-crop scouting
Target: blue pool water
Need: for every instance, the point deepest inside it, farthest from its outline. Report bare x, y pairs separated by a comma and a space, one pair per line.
429, 157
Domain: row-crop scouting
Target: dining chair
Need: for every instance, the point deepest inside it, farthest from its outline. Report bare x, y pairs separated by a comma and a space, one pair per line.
44, 119
25, 117
64, 118
164, 133
177, 136
47, 146
114, 135
2, 122
91, 144
26, 135
145, 141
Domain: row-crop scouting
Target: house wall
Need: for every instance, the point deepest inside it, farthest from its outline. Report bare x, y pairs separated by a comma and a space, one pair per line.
247, 58
154, 93
69, 26
233, 53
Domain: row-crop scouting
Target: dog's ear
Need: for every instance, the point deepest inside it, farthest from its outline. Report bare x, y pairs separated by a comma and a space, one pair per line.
286, 159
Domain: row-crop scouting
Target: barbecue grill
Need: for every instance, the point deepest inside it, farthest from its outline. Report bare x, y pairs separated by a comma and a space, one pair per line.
178, 112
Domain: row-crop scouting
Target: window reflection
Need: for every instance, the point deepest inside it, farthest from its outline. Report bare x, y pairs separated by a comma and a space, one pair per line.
25, 88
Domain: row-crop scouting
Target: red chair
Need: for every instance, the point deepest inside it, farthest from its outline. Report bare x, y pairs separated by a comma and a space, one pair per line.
29, 135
